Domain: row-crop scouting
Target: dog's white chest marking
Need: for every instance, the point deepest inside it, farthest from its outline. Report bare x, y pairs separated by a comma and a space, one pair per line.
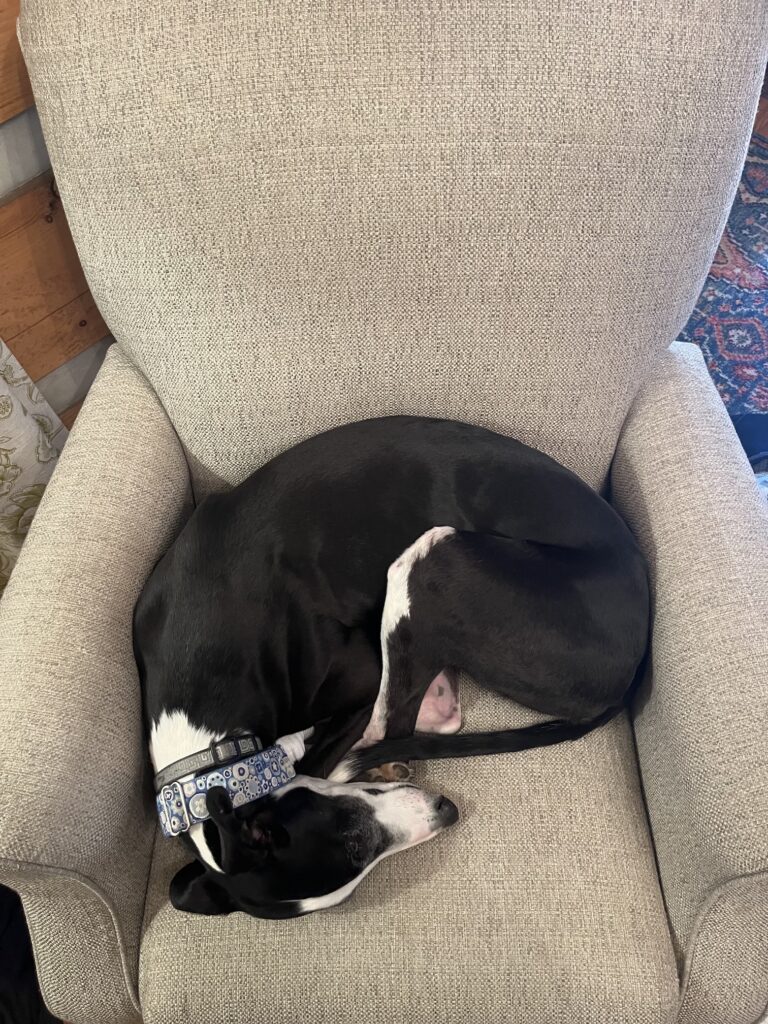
172, 737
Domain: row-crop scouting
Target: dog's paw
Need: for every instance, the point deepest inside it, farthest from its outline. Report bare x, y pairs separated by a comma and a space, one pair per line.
395, 771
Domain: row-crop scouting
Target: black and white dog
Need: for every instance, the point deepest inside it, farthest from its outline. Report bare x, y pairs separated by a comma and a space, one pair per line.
335, 593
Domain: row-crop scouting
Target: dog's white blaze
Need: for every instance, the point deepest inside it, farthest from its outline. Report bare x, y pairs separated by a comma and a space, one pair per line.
404, 810
397, 606
197, 836
295, 743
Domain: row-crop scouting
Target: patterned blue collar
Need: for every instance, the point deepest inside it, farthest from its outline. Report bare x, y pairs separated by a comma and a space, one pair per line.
182, 804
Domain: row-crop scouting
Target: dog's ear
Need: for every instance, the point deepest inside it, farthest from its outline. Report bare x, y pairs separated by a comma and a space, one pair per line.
196, 890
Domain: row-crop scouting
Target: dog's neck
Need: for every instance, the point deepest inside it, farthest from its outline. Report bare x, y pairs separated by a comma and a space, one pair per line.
173, 737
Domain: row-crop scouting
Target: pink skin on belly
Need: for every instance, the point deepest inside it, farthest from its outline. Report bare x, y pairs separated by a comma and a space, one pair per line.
440, 710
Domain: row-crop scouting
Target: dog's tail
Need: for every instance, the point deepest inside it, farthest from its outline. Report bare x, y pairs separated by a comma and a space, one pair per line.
423, 746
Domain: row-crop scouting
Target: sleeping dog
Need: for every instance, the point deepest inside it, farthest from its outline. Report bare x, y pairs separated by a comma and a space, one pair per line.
316, 616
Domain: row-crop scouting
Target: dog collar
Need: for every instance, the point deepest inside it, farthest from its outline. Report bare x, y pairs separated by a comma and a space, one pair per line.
220, 752
183, 804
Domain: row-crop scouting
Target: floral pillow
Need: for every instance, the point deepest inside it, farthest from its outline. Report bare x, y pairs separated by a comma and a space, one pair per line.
31, 439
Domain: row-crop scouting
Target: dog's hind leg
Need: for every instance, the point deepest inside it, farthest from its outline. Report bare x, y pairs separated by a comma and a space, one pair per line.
396, 645
406, 677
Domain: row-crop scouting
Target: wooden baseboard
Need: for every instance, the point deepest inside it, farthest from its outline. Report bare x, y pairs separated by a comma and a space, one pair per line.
69, 415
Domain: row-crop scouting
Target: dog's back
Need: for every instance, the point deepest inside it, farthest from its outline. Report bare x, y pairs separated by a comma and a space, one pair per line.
265, 612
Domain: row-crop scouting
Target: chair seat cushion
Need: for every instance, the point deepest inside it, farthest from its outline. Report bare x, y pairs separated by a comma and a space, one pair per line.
542, 905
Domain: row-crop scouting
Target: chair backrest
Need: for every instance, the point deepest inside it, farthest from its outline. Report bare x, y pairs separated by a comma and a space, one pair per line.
296, 213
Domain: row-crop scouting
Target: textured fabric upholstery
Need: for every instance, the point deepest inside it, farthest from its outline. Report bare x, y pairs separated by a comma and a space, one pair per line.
77, 830
294, 214
683, 483
541, 905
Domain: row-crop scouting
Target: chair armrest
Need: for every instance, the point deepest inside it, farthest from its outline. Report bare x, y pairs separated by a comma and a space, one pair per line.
684, 485
76, 824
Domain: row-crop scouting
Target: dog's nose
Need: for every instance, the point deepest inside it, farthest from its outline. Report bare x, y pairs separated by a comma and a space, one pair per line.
447, 811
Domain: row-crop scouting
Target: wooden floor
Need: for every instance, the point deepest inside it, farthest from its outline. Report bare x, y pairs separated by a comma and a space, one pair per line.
47, 314
15, 90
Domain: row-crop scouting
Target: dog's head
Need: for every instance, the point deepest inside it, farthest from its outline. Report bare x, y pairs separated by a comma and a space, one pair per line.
305, 847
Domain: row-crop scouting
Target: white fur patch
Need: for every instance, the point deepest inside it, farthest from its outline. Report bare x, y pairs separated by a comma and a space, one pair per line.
197, 836
173, 736
397, 606
344, 770
295, 744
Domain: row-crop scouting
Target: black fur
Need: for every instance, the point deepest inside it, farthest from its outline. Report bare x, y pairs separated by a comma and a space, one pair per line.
265, 616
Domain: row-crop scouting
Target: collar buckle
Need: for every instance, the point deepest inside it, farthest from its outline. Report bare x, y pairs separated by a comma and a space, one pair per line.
216, 755
227, 750
223, 751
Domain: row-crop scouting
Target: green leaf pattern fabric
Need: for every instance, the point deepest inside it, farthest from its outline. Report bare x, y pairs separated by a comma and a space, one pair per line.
31, 439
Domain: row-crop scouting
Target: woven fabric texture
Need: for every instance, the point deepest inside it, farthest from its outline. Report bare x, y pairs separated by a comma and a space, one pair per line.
70, 696
298, 214
541, 905
79, 945
683, 483
726, 978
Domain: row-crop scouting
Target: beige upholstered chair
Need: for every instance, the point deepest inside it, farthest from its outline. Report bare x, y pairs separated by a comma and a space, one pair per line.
294, 214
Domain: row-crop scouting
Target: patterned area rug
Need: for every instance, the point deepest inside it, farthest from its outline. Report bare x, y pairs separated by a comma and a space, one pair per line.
31, 438
730, 321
